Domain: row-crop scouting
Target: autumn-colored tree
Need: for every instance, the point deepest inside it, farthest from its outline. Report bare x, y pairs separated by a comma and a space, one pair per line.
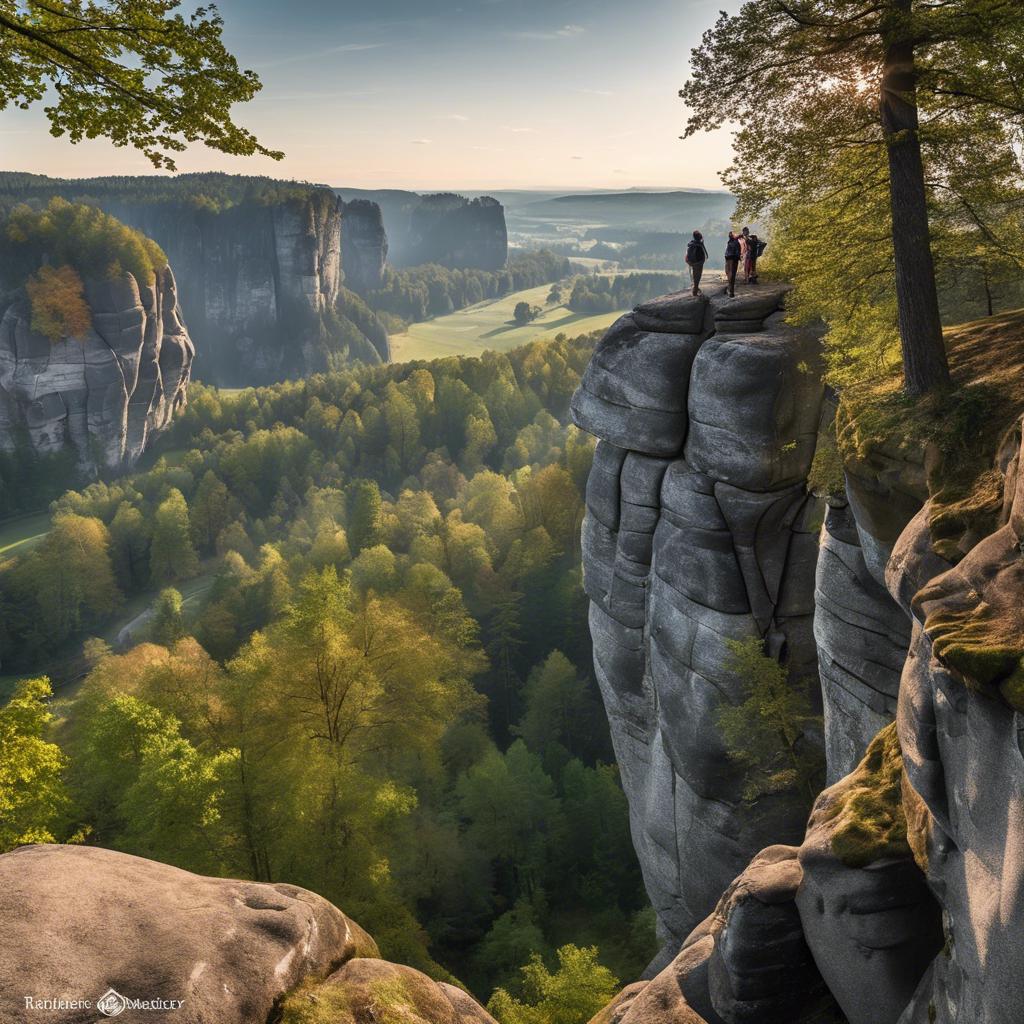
59, 309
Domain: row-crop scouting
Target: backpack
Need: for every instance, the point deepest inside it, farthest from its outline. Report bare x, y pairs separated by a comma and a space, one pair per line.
761, 246
695, 252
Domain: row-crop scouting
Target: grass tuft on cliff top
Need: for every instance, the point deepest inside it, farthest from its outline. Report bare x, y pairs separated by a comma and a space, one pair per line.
960, 430
870, 823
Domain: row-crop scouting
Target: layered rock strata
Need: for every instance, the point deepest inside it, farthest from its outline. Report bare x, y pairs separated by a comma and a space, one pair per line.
699, 530
82, 923
106, 393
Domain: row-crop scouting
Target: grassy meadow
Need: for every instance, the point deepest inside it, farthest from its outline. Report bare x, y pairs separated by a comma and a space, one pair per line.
489, 326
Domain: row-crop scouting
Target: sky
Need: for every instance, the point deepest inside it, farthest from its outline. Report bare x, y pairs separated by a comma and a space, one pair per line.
445, 94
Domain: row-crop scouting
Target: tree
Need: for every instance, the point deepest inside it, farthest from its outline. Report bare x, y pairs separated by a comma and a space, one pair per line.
844, 99
71, 577
171, 554
142, 74
765, 733
571, 995
210, 512
32, 794
365, 523
524, 313
168, 622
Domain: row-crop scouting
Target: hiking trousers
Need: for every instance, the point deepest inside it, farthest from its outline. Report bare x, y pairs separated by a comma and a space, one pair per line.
696, 273
731, 267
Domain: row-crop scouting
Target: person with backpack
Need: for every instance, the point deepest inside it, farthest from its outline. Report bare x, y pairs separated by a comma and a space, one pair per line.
732, 263
750, 263
696, 257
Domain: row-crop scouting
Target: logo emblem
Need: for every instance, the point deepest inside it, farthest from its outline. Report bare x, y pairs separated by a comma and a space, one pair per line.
111, 1003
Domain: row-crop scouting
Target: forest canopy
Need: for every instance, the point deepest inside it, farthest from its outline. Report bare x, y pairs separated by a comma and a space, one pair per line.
363, 666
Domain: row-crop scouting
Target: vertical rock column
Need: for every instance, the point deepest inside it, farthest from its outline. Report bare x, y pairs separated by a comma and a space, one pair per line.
699, 530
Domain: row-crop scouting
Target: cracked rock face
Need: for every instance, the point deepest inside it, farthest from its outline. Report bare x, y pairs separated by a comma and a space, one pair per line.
960, 728
746, 963
256, 279
699, 529
862, 636
81, 920
104, 394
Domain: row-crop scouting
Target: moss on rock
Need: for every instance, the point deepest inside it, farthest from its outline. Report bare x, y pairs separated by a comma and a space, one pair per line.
867, 807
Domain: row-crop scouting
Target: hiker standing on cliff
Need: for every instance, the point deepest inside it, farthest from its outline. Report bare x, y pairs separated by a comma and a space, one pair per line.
696, 257
754, 247
732, 262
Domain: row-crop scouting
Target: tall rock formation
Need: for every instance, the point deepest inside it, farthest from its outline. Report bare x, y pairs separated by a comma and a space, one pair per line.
364, 245
448, 229
105, 393
904, 901
699, 530
256, 279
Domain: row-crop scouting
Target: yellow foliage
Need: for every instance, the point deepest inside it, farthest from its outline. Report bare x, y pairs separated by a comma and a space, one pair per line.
59, 309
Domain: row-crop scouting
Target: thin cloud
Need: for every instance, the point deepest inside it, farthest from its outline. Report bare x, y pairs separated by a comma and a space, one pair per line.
595, 92
329, 52
422, 142
565, 32
575, 158
518, 131
452, 117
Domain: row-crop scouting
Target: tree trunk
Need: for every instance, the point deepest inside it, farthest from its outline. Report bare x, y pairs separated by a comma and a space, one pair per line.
924, 352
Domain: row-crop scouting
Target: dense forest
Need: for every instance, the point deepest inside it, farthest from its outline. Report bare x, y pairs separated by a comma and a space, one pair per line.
213, 191
381, 686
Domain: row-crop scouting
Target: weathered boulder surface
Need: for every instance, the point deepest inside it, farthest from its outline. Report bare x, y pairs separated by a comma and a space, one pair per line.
80, 921
746, 963
104, 394
699, 529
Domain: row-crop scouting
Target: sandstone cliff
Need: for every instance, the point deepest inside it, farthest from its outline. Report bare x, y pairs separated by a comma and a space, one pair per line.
105, 393
259, 267
447, 229
364, 245
902, 903
699, 529
82, 923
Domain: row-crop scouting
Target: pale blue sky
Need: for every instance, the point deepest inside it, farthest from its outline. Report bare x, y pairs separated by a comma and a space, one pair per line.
467, 94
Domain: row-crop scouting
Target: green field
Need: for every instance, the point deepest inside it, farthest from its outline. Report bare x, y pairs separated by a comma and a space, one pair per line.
489, 326
22, 533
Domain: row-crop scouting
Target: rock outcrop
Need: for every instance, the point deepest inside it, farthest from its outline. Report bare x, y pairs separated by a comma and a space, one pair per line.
257, 280
364, 245
904, 902
106, 393
83, 923
259, 266
445, 228
699, 530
